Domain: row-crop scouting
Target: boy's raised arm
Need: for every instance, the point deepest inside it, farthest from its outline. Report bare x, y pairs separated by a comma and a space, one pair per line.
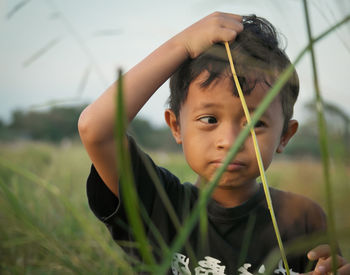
96, 123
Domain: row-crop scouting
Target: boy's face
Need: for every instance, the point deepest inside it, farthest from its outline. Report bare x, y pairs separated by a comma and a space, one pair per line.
209, 123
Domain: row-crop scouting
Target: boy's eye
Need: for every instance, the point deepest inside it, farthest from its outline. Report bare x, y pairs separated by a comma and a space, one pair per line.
259, 124
208, 119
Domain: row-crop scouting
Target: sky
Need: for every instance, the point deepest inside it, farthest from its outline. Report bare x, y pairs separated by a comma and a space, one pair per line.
59, 52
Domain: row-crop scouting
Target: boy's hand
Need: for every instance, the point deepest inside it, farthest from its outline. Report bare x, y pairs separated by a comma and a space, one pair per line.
322, 254
214, 28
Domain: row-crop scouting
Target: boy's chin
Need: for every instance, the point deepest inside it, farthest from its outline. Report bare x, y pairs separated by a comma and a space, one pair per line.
229, 184
228, 181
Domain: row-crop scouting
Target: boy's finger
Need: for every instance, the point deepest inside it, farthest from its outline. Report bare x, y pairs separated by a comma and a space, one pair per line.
228, 20
344, 270
227, 35
324, 266
320, 251
235, 23
234, 16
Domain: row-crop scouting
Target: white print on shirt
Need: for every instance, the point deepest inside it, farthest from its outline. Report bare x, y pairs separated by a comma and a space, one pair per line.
280, 270
208, 266
180, 266
244, 269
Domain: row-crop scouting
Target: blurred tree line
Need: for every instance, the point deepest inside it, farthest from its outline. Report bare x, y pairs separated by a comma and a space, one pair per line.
305, 142
59, 124
52, 125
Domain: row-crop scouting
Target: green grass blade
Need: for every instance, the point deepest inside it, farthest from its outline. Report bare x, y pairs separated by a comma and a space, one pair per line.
167, 204
157, 235
47, 240
126, 180
323, 139
203, 228
248, 233
162, 193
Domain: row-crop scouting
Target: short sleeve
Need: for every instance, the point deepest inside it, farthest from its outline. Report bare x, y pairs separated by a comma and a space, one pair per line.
102, 201
110, 209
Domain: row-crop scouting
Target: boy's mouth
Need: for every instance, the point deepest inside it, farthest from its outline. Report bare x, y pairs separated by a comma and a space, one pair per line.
233, 166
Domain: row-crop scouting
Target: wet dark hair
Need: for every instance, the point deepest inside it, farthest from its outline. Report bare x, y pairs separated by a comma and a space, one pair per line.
258, 58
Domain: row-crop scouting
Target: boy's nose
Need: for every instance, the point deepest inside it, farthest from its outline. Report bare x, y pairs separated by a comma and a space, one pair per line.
226, 137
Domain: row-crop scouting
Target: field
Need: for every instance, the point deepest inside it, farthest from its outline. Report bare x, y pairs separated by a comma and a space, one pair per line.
46, 226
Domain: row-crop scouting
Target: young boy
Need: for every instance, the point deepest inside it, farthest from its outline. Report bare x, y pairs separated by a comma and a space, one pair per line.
205, 116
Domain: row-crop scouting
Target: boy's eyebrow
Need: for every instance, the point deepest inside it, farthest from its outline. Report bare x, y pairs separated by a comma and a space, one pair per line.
265, 114
207, 105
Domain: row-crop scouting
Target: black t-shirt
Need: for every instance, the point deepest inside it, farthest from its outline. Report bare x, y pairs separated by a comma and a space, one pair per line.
237, 240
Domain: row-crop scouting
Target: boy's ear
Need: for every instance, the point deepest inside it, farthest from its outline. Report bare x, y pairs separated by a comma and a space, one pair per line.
291, 130
173, 124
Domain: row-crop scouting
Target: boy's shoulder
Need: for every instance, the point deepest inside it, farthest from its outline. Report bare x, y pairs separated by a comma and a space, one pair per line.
291, 198
291, 207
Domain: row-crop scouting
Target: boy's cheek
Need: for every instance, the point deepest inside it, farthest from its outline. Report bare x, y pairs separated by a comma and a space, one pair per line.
267, 153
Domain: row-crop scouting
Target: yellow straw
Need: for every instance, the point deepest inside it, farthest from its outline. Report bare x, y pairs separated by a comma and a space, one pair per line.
259, 160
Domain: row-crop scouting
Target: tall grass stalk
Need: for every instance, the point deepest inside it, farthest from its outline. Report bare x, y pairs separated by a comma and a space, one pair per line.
246, 239
78, 39
259, 161
323, 139
128, 189
168, 206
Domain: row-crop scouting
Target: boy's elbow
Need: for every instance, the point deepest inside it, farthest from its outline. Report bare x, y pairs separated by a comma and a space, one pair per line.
86, 129
95, 128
